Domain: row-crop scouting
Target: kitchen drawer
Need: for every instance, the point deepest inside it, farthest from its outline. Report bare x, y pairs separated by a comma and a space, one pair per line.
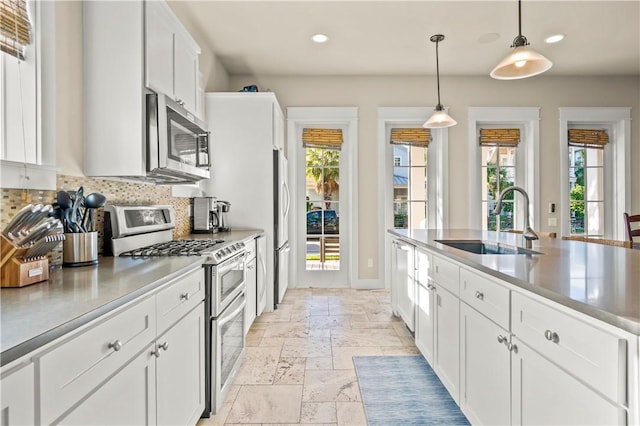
250, 248
79, 364
179, 297
593, 355
447, 274
486, 296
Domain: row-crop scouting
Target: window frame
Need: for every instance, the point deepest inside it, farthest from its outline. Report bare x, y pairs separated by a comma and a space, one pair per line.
527, 160
42, 174
617, 163
437, 173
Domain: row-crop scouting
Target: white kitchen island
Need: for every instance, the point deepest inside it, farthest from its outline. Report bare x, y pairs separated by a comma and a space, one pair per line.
547, 338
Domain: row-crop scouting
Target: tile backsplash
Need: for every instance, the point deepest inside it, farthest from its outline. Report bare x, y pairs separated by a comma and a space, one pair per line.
116, 192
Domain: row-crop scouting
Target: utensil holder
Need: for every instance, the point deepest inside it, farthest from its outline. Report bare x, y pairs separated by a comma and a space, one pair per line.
80, 249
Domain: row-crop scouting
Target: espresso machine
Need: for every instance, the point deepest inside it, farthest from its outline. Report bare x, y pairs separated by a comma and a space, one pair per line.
205, 215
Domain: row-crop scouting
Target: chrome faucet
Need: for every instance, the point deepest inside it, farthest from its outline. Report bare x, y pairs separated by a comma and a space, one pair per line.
527, 233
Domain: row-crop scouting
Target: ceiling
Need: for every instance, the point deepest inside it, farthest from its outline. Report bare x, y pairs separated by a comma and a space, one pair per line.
392, 37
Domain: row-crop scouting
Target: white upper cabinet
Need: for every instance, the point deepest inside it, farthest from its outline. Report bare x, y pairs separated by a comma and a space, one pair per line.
171, 56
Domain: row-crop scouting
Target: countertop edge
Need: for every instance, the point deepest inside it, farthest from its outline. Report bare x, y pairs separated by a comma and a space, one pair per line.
35, 343
589, 310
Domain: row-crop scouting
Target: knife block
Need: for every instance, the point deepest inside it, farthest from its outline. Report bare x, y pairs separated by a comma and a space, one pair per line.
15, 272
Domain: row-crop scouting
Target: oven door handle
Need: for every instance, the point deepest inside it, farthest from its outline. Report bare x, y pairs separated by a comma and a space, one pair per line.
228, 316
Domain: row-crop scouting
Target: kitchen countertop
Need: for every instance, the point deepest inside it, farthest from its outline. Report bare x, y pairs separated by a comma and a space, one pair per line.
35, 315
598, 280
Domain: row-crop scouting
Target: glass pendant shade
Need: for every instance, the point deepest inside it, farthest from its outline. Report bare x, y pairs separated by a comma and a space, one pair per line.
439, 119
523, 62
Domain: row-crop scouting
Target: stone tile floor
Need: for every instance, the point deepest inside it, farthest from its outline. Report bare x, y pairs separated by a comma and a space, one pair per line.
298, 368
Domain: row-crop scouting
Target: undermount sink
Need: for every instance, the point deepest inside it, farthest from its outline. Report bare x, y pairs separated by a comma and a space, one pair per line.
485, 247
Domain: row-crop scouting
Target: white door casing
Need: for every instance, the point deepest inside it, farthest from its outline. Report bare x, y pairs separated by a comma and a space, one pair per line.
527, 160
617, 164
437, 172
345, 118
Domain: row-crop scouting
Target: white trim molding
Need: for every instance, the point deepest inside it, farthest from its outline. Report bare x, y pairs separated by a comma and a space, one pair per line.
437, 172
618, 119
528, 119
345, 118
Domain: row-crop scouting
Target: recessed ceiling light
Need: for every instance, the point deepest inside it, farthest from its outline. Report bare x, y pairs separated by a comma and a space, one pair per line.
554, 38
319, 38
488, 38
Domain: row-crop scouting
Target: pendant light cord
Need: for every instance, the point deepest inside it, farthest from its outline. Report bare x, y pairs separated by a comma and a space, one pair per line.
520, 18
438, 71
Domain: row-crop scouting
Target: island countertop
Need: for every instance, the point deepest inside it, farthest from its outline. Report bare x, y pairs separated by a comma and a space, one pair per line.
598, 280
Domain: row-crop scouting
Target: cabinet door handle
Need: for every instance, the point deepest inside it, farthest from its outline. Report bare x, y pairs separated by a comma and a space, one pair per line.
116, 345
480, 295
512, 347
439, 300
552, 336
164, 346
502, 339
185, 296
156, 353
431, 287
250, 267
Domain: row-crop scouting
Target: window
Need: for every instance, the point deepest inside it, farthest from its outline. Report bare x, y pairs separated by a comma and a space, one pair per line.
599, 166
503, 152
499, 148
410, 208
18, 85
586, 181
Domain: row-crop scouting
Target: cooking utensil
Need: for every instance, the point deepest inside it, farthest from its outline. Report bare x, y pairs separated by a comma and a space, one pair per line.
74, 210
92, 201
65, 203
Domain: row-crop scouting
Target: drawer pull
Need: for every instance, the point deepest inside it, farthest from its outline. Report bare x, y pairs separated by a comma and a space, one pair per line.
502, 339
512, 347
552, 336
185, 296
480, 295
116, 345
164, 346
431, 287
156, 353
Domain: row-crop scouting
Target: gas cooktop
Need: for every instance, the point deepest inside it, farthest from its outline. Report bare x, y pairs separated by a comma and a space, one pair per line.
176, 248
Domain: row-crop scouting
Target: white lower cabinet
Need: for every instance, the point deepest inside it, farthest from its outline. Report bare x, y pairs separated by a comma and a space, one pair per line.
180, 371
251, 284
510, 357
403, 290
17, 395
425, 318
128, 398
485, 376
425, 305
447, 341
142, 365
544, 394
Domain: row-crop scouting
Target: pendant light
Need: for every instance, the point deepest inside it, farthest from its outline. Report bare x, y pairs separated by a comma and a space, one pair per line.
439, 118
523, 62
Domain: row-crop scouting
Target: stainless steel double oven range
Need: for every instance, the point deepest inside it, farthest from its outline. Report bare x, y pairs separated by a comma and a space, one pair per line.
146, 231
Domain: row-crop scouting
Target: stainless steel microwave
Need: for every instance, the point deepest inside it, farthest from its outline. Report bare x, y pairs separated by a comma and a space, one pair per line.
177, 143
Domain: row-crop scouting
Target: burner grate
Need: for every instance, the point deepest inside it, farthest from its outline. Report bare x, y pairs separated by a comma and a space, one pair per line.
175, 248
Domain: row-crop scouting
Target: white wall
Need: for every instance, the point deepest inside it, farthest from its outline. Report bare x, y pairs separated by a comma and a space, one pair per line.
458, 93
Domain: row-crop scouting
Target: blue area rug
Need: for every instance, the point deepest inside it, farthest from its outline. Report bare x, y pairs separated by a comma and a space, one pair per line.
404, 390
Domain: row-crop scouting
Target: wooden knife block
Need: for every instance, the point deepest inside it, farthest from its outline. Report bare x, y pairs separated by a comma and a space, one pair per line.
15, 272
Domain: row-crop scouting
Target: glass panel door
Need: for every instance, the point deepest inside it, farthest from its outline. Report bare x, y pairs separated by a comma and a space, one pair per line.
322, 209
